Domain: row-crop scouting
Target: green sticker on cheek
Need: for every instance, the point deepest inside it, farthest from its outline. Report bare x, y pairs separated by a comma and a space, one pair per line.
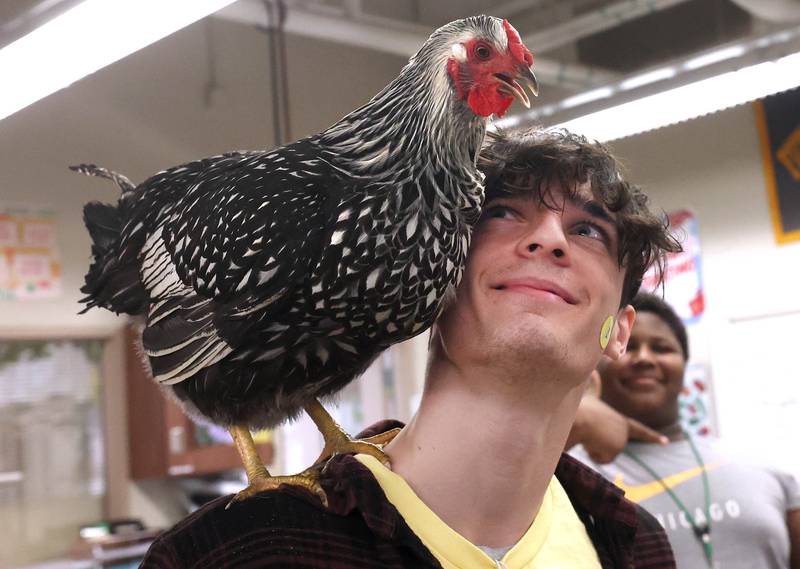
605, 332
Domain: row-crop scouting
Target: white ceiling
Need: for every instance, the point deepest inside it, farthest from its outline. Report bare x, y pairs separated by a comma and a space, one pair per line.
579, 45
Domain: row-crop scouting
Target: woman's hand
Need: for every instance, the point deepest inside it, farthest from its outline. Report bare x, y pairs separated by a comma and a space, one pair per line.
603, 431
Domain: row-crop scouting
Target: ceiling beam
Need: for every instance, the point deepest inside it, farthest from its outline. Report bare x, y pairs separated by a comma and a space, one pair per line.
32, 18
514, 7
593, 22
391, 36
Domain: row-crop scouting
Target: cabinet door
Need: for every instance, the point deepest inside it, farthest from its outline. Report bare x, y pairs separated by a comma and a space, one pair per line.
166, 442
196, 448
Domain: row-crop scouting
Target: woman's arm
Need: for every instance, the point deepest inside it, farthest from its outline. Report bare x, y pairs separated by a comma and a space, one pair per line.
604, 432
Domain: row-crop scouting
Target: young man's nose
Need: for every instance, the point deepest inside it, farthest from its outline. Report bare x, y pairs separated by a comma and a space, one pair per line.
545, 236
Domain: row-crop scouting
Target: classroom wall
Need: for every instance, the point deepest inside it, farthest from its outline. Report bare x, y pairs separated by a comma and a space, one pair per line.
713, 166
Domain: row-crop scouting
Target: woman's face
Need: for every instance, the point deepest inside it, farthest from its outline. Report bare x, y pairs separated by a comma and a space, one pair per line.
646, 381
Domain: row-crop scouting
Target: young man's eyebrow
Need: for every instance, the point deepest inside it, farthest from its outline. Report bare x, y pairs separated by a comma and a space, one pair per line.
594, 209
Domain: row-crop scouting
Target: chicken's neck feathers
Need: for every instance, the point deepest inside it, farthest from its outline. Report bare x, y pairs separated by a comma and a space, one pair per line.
414, 124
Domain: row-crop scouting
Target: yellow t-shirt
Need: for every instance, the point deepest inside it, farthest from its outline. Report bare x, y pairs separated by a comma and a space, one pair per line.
557, 539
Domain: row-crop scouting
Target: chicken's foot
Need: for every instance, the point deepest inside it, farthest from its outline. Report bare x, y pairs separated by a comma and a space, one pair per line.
339, 442
258, 477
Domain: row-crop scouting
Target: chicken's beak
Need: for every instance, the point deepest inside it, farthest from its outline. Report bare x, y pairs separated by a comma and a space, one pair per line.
528, 78
510, 86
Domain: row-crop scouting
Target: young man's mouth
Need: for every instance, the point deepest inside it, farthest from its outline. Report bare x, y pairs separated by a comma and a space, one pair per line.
537, 287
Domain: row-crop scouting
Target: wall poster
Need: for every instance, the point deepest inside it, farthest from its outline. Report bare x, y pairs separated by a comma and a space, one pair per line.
30, 267
683, 283
779, 130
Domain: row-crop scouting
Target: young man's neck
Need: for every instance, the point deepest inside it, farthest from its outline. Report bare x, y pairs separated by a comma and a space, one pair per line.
481, 457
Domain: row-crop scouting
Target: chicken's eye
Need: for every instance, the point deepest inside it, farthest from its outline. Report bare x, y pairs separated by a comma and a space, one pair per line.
483, 52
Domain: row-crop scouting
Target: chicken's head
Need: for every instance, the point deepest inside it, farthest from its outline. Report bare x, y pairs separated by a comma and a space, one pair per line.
487, 65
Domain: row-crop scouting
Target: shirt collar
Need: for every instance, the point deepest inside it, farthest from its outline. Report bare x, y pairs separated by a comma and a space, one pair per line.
351, 487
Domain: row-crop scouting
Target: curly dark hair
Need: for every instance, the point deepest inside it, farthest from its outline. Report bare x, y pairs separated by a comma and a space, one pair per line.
646, 302
532, 162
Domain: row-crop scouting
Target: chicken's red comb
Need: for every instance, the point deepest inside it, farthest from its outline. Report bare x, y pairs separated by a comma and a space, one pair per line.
515, 45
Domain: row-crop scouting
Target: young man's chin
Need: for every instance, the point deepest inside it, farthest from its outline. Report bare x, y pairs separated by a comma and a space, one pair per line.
527, 339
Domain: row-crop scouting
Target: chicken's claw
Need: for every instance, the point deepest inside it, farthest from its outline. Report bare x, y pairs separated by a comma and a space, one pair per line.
339, 442
308, 479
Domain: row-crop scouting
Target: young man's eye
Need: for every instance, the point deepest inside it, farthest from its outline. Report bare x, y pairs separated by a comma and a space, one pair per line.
591, 230
498, 211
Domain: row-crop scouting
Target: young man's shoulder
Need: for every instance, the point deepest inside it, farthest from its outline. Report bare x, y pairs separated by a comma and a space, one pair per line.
290, 528
612, 520
270, 526
282, 528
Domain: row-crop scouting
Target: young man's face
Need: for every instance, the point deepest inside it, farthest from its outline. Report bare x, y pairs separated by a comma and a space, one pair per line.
539, 284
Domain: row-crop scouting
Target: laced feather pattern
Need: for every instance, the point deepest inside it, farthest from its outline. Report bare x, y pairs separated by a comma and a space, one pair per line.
268, 278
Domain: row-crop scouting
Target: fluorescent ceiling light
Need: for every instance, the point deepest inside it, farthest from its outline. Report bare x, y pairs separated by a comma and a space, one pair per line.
587, 97
715, 57
690, 101
647, 78
93, 34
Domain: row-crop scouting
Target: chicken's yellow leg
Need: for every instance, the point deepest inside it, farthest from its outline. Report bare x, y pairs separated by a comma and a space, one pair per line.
248, 452
258, 477
339, 442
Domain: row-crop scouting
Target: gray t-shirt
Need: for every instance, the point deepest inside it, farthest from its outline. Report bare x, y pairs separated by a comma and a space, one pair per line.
748, 502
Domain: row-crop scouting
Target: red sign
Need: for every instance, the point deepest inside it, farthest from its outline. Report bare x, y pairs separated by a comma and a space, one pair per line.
683, 285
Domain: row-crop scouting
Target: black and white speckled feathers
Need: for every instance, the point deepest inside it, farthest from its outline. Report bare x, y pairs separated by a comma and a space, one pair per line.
269, 278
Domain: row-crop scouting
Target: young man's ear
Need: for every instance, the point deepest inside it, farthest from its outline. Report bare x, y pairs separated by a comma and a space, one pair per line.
621, 333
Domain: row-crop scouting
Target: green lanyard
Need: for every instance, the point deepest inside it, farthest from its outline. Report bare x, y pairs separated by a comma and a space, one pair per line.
701, 531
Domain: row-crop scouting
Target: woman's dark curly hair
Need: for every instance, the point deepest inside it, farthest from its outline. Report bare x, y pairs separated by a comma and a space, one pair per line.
533, 162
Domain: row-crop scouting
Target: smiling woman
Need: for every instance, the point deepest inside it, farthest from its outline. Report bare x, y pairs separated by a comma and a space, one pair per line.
719, 508
646, 382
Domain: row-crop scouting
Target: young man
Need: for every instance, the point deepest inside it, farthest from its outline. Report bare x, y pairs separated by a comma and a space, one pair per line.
477, 477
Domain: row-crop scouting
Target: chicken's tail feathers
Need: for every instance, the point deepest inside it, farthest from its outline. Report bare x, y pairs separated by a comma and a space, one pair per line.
104, 225
181, 339
92, 170
112, 282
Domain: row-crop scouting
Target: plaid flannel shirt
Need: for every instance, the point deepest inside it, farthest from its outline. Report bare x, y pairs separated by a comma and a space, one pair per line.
360, 529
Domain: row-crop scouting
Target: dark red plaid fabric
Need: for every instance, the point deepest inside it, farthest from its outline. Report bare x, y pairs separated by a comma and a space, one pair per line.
289, 528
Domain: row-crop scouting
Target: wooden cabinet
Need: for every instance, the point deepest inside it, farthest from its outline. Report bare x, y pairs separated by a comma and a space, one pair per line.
164, 441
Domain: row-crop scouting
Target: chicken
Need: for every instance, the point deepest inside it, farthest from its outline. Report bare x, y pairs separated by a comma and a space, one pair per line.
269, 279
